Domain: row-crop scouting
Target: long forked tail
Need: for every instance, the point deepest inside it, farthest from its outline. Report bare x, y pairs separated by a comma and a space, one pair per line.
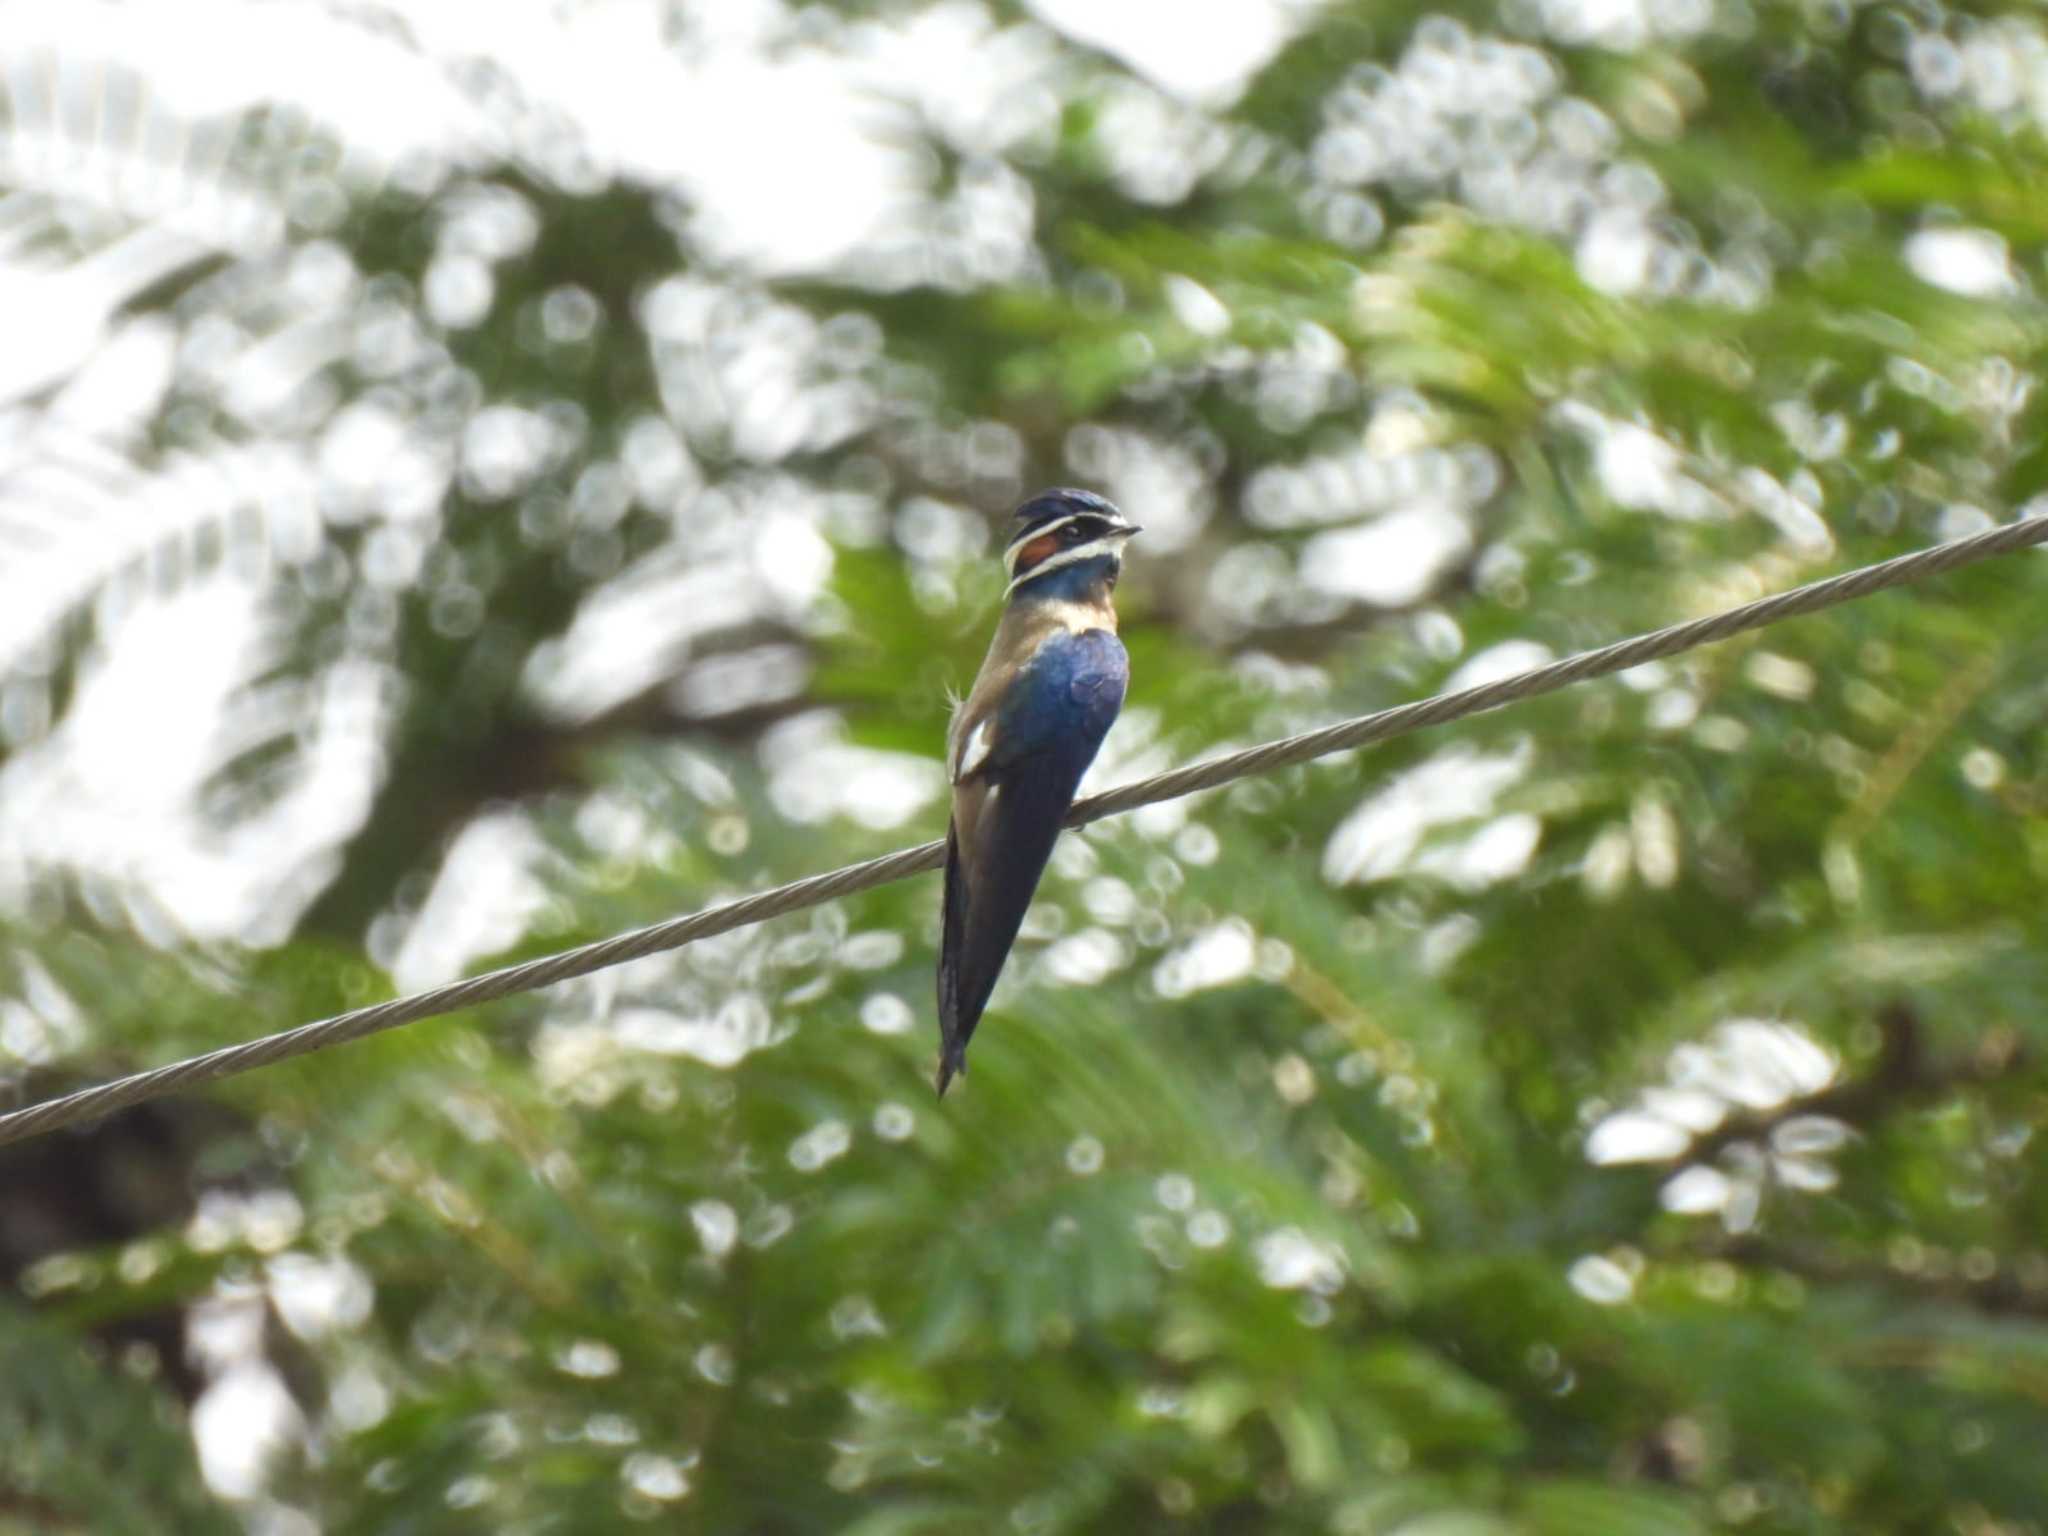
1011, 833
953, 1035
952, 1063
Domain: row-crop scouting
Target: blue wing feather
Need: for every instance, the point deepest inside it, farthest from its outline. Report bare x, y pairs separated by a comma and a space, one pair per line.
1045, 732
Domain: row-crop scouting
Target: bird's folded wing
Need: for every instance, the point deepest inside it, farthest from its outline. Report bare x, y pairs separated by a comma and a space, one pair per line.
1018, 752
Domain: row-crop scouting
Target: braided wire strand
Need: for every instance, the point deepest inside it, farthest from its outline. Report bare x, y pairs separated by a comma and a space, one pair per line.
1364, 730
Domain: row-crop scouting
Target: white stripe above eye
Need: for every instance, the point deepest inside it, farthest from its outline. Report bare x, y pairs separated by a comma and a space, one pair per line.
1057, 523
1094, 549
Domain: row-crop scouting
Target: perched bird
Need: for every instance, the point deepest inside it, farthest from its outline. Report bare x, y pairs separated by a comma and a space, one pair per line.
1053, 681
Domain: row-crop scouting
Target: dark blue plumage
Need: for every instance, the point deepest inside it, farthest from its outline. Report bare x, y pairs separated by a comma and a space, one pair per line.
1052, 684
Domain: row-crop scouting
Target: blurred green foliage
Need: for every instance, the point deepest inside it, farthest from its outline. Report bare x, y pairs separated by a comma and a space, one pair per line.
1614, 1115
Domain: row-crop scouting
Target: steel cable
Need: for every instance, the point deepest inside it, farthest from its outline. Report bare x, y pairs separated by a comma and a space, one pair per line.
230, 1061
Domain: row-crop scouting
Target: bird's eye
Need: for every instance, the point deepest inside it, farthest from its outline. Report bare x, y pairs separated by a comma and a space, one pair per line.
1074, 533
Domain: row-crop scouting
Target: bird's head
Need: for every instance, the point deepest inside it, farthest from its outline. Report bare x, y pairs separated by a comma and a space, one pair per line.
1066, 544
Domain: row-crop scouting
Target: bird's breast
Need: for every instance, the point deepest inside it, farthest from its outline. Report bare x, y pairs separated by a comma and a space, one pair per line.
1077, 685
1063, 614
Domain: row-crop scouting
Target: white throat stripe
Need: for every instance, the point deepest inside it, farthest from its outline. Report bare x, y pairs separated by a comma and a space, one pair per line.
1024, 539
1029, 536
1094, 549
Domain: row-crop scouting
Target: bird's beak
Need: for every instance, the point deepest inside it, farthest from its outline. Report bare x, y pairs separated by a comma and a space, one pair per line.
1128, 529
